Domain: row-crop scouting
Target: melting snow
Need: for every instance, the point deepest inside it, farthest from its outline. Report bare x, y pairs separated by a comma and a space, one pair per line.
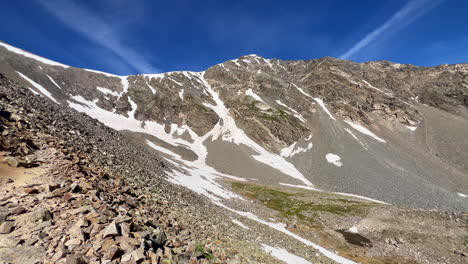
107, 91
375, 88
463, 195
104, 73
364, 131
180, 84
250, 92
239, 223
353, 230
340, 193
34, 92
296, 114
150, 87
301, 90
124, 81
181, 94
32, 56
284, 255
354, 136
281, 228
412, 128
292, 150
279, 65
52, 80
131, 113
320, 102
38, 86
231, 133
334, 159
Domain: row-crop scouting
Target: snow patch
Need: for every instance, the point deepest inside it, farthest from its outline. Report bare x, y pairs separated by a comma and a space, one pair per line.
334, 159
229, 131
131, 113
251, 93
412, 128
375, 88
282, 228
284, 255
32, 56
39, 87
292, 150
296, 114
124, 81
181, 94
301, 90
353, 230
364, 131
34, 92
340, 193
239, 223
107, 91
52, 80
320, 102
462, 195
104, 73
355, 137
150, 87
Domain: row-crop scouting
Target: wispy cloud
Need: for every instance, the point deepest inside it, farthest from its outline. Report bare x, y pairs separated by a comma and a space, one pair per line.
96, 29
410, 12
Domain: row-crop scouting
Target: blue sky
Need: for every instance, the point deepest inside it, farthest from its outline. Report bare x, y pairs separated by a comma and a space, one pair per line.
144, 36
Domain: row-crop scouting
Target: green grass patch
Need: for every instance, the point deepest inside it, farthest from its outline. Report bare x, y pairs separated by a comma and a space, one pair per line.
295, 204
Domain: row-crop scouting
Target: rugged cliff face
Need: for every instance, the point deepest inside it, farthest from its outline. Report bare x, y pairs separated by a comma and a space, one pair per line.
378, 129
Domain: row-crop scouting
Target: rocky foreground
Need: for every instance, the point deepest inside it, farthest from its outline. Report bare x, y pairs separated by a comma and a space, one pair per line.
68, 195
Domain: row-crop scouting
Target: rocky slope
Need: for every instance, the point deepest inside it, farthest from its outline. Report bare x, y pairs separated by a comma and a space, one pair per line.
398, 130
377, 130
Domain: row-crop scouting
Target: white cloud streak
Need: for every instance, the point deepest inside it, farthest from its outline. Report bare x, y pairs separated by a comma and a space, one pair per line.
97, 30
410, 12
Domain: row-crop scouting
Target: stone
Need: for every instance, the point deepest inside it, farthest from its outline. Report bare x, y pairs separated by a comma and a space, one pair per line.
75, 259
7, 227
138, 254
161, 238
75, 187
107, 243
30, 190
125, 229
77, 232
12, 161
127, 243
111, 230
51, 187
73, 242
42, 214
18, 210
68, 196
3, 217
112, 253
8, 242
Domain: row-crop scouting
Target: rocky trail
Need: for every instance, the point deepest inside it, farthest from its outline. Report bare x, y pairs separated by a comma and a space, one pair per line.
71, 209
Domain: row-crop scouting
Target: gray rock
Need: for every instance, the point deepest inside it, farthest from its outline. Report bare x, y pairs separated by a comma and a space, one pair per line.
22, 254
111, 230
42, 214
7, 227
